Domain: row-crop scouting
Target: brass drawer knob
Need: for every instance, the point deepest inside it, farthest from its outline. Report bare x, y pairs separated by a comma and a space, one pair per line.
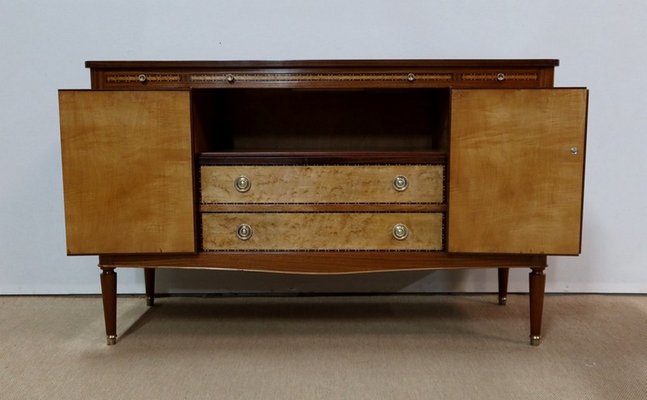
142, 78
400, 183
400, 231
500, 77
244, 232
230, 78
242, 184
411, 77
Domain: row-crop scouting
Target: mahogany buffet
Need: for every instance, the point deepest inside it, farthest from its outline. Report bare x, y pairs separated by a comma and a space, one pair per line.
323, 167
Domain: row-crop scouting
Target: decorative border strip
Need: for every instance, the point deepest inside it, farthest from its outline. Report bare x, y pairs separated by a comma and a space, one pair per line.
366, 203
330, 77
202, 250
319, 77
149, 78
493, 76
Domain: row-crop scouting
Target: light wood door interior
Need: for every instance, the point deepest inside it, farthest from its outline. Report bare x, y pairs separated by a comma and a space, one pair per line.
516, 170
127, 172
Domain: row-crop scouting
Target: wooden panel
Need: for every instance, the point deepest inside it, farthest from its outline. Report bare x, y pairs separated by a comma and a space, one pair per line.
327, 262
322, 184
515, 186
127, 172
322, 231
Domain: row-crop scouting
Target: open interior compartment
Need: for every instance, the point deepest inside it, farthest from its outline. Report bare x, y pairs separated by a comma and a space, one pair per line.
298, 120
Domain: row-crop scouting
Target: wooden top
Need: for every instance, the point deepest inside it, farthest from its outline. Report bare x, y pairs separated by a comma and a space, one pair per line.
321, 74
422, 63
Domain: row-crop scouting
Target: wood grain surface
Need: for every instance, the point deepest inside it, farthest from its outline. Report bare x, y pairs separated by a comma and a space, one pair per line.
323, 184
322, 231
515, 186
127, 172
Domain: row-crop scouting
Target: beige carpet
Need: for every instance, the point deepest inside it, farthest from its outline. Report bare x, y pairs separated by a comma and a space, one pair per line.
382, 347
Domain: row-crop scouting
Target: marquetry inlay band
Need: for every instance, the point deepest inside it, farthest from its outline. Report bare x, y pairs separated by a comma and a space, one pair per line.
136, 78
319, 77
493, 77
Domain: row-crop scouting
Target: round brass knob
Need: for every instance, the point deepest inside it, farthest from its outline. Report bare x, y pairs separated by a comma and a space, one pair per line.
242, 184
400, 231
500, 77
142, 78
230, 78
244, 232
411, 77
574, 150
400, 183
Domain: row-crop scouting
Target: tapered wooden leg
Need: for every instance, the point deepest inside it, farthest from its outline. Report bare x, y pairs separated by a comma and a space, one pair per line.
503, 285
149, 278
537, 282
109, 294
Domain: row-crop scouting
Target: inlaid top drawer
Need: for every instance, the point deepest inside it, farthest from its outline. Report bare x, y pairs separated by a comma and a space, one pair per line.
322, 231
323, 184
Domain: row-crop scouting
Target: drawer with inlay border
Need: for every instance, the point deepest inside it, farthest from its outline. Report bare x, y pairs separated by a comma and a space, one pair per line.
322, 184
357, 231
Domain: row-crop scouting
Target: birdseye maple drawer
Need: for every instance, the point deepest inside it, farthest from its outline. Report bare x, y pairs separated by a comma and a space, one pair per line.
322, 184
322, 231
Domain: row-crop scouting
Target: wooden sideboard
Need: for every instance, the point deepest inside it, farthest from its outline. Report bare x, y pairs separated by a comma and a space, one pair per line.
323, 167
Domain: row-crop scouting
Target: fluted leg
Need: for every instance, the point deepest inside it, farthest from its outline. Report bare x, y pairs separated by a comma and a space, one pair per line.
503, 285
537, 282
149, 278
109, 294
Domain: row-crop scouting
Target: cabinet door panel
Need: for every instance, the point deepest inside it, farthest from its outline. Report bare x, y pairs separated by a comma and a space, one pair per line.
517, 170
127, 172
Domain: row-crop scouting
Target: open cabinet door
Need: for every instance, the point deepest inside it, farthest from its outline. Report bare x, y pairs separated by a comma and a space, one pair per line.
516, 172
127, 172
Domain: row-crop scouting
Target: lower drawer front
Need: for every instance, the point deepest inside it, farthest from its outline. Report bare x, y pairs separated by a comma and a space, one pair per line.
322, 231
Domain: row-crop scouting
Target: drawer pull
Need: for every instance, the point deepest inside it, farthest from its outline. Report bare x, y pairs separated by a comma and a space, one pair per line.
411, 77
400, 183
400, 231
244, 232
500, 77
142, 78
242, 184
230, 78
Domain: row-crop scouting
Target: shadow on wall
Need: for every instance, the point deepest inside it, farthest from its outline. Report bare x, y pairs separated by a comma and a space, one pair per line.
206, 281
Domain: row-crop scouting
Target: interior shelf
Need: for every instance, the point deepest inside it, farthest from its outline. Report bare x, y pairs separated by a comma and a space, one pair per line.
319, 157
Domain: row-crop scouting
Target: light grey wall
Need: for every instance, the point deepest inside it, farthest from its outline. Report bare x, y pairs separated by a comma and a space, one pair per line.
43, 45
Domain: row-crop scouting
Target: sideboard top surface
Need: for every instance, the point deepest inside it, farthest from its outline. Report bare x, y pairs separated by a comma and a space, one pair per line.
422, 63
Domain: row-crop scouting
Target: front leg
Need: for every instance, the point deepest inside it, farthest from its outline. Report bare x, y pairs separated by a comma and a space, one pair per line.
537, 281
503, 285
149, 279
109, 294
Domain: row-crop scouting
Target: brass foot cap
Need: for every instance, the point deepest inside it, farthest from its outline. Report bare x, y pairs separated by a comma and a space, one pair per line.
503, 301
150, 301
535, 340
112, 340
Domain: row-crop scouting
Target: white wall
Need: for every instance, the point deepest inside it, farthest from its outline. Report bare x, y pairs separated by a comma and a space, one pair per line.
43, 45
